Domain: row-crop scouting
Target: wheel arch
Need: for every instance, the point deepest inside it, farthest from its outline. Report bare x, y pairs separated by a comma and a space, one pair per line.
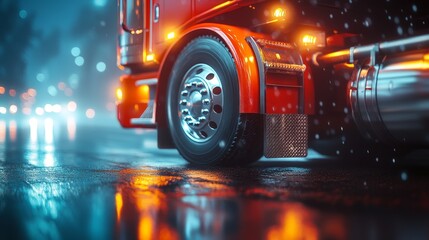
234, 39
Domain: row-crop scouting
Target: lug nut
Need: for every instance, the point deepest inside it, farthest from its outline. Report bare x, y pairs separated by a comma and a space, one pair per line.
196, 123
188, 118
185, 111
200, 84
183, 102
187, 85
184, 93
194, 84
204, 111
203, 91
202, 119
206, 101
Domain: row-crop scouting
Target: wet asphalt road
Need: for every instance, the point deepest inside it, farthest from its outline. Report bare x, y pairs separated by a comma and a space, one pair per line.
63, 180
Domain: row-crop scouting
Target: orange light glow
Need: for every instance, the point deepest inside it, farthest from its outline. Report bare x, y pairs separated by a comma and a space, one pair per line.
144, 93
2, 131
32, 92
279, 13
409, 65
119, 204
71, 129
308, 39
222, 5
170, 35
146, 228
295, 224
12, 130
150, 57
2, 90
119, 94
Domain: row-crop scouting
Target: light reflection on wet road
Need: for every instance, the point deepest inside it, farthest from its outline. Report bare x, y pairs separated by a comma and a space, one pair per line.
65, 180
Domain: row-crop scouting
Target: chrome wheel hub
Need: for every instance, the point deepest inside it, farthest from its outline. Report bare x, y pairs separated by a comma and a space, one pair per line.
200, 102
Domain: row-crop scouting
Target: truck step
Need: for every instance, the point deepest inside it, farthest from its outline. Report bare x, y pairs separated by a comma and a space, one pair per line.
147, 119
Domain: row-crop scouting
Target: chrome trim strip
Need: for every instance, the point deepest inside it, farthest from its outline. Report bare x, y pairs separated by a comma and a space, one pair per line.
149, 81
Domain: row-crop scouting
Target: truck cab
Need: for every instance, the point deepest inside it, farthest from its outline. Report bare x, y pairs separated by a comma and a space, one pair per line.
226, 82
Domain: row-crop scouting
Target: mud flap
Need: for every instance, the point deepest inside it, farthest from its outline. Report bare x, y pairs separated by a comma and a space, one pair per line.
286, 135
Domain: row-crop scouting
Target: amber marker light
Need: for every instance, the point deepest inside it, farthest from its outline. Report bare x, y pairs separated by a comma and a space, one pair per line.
150, 57
308, 39
119, 94
279, 13
170, 35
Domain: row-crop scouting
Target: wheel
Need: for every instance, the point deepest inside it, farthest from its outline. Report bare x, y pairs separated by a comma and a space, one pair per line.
203, 108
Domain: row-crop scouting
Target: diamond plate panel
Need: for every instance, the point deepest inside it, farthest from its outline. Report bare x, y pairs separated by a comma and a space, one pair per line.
286, 135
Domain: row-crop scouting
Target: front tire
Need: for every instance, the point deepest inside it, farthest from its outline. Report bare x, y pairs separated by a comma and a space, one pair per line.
203, 108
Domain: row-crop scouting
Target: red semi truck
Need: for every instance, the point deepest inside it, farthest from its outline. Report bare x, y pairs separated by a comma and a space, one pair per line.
227, 82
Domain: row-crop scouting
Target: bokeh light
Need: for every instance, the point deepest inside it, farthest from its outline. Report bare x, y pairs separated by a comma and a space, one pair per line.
101, 66
71, 106
13, 109
90, 113
79, 61
75, 51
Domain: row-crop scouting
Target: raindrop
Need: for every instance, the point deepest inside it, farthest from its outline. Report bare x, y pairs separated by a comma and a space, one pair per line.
396, 20
414, 7
338, 152
376, 159
346, 25
400, 31
331, 16
346, 110
393, 160
367, 22
321, 103
404, 176
317, 136
222, 144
